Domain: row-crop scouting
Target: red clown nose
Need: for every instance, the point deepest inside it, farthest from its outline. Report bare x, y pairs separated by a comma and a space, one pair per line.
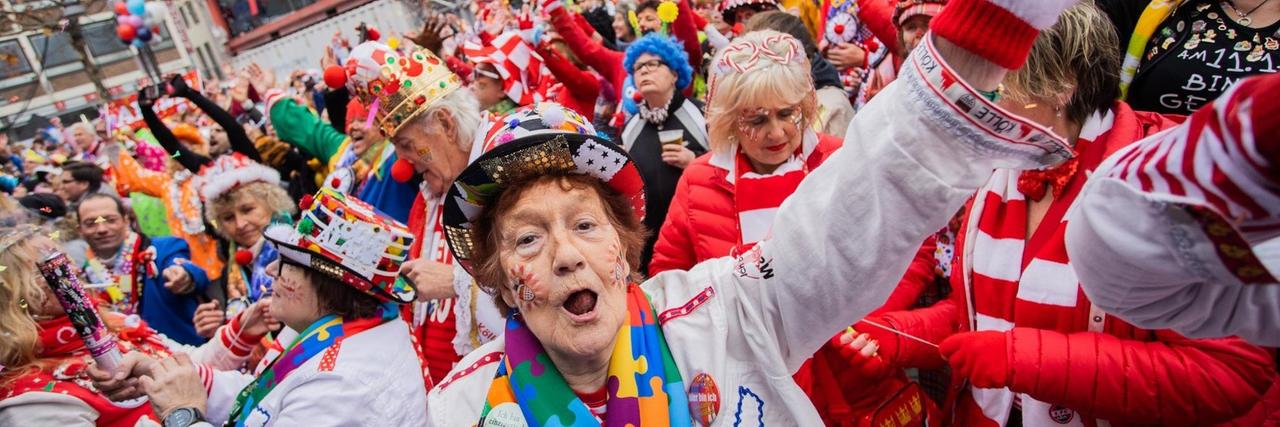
402, 171
244, 257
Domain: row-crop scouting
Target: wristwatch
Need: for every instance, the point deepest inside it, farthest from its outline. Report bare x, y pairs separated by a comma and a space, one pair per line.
183, 417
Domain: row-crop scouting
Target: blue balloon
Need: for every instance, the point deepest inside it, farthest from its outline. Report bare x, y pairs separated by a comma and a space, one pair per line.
136, 7
143, 34
138, 43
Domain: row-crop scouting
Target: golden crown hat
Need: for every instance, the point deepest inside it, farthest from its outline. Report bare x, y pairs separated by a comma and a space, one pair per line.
400, 85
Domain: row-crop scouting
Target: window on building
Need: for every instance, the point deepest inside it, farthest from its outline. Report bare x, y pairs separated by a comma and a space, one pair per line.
194, 12
13, 61
186, 21
102, 40
241, 20
57, 51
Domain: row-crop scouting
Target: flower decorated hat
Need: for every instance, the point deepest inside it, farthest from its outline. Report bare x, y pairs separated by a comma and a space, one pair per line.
229, 172
541, 139
397, 87
346, 239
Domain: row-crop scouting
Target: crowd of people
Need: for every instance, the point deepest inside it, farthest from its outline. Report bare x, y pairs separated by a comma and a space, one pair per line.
677, 212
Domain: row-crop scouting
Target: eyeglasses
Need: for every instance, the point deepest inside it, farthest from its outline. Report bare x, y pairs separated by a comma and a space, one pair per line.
647, 65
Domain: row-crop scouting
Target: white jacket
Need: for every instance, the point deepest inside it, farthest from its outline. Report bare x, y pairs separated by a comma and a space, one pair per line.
376, 380
841, 243
1142, 253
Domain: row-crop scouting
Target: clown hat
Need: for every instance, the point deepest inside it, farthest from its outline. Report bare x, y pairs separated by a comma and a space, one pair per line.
728, 7
347, 240
401, 86
908, 9
542, 139
230, 171
519, 66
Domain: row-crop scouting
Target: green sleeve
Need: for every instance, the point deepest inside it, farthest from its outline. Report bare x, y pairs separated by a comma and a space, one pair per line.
299, 127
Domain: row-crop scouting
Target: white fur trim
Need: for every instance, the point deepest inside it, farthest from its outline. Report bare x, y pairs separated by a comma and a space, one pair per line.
216, 184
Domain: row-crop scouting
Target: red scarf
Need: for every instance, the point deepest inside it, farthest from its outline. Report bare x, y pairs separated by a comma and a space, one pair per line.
1028, 281
433, 336
62, 367
756, 197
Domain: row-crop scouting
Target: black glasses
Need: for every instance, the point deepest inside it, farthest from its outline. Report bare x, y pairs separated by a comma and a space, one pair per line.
650, 64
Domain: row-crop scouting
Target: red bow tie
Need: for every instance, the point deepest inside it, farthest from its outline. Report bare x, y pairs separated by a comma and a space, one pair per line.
1033, 184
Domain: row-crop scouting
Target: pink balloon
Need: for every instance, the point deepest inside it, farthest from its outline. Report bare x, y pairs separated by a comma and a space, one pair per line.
135, 21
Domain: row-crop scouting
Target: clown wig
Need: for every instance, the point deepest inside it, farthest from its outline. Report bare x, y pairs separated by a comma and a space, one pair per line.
665, 48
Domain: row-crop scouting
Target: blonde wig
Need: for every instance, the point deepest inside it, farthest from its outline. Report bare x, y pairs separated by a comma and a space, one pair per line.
760, 69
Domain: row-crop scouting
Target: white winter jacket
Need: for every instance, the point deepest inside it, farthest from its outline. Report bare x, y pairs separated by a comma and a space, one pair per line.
841, 242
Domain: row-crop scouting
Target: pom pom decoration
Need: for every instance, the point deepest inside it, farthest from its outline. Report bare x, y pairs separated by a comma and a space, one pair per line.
335, 76
667, 12
244, 257
373, 34
402, 171
393, 43
552, 117
306, 202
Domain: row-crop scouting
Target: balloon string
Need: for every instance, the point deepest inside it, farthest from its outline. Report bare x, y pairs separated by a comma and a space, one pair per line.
913, 337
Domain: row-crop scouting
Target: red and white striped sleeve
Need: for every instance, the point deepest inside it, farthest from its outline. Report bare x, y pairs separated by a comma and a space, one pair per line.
1167, 232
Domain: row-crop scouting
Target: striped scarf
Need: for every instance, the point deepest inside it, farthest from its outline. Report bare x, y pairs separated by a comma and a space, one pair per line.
527, 380
756, 197
1028, 282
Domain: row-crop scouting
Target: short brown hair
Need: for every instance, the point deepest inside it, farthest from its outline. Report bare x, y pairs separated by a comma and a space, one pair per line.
340, 298
490, 275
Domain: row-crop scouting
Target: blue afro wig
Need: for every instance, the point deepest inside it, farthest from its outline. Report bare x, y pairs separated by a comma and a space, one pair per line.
666, 48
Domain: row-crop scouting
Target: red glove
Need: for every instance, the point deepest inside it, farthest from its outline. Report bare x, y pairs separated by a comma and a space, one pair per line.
981, 357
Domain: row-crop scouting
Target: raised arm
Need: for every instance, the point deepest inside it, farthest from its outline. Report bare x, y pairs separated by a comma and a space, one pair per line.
236, 136
606, 62
844, 238
1167, 233
296, 125
187, 158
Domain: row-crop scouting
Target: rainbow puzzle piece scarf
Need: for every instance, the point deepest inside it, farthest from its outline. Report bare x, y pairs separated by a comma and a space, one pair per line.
328, 331
644, 383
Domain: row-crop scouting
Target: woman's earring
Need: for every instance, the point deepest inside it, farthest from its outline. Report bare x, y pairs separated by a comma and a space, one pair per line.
523, 291
618, 273
22, 303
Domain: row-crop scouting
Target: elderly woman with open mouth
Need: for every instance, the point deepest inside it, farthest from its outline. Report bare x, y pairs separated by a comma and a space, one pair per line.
549, 220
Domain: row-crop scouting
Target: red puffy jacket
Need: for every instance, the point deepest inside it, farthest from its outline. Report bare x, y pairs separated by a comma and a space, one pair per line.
701, 222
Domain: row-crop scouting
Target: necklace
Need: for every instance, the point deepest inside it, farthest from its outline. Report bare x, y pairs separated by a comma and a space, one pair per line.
184, 207
1244, 20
